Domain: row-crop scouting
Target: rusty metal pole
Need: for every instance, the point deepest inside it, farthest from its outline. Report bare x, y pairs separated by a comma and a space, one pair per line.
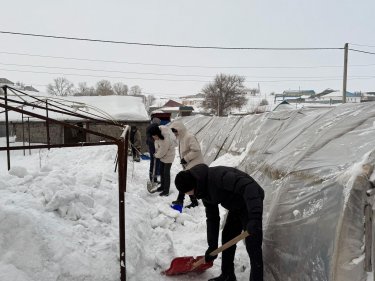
47, 124
122, 145
5, 89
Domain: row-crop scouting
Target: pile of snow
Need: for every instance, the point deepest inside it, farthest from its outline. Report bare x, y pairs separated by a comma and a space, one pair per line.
59, 220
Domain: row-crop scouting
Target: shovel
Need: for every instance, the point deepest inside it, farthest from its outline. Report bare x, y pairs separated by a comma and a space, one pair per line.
183, 265
151, 185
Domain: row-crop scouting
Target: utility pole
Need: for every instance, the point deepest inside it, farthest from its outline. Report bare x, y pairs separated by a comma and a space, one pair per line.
346, 48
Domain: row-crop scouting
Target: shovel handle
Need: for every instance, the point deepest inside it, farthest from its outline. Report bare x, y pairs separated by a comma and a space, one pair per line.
230, 243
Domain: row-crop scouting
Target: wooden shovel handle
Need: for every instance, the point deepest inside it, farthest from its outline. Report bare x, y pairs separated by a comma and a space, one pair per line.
230, 243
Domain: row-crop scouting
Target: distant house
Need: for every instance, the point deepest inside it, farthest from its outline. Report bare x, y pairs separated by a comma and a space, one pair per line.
196, 101
294, 95
4, 81
175, 109
368, 96
127, 110
336, 97
30, 88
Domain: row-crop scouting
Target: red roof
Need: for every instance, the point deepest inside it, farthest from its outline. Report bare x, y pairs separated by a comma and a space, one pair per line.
172, 103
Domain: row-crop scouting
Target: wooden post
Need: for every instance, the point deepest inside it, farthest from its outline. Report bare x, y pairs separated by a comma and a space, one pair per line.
346, 48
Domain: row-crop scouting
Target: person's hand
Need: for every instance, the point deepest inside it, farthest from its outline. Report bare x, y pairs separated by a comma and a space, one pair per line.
208, 257
253, 226
183, 161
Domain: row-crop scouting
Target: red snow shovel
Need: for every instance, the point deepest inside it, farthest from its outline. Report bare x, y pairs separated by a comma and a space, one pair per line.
184, 265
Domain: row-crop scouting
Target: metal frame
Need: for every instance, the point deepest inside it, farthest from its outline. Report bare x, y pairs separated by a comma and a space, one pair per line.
121, 142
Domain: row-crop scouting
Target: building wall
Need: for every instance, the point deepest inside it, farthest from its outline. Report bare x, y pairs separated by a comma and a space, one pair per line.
38, 132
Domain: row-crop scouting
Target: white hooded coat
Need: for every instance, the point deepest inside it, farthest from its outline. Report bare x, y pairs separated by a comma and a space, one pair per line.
189, 148
165, 149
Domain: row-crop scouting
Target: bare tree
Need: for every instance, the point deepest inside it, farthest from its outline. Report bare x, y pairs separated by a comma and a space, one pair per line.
60, 87
120, 89
135, 90
104, 88
84, 90
149, 100
226, 92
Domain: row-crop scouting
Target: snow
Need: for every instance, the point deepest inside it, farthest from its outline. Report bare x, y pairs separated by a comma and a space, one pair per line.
59, 220
129, 108
59, 216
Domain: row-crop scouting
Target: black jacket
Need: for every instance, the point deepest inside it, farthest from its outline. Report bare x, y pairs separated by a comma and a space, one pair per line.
149, 139
230, 187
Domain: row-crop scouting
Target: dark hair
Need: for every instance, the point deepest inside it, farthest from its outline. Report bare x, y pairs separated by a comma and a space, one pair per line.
185, 181
155, 131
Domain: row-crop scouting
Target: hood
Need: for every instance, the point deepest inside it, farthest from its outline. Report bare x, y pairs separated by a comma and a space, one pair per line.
200, 173
180, 127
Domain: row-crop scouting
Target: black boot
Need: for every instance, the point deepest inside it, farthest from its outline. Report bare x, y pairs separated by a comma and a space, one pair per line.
192, 204
178, 202
164, 193
224, 277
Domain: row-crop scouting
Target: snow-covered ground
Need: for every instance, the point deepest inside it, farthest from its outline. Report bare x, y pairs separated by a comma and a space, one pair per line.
59, 220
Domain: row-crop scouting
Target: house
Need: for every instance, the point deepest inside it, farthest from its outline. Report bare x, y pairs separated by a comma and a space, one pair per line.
175, 109
129, 110
336, 97
30, 88
294, 95
196, 101
5, 82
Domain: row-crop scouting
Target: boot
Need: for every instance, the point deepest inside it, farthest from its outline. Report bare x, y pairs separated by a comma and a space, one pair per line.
178, 202
193, 204
224, 277
164, 193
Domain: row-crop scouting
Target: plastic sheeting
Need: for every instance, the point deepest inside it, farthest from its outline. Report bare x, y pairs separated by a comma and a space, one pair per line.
309, 162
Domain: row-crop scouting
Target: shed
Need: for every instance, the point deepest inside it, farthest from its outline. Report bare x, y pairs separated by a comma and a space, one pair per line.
129, 110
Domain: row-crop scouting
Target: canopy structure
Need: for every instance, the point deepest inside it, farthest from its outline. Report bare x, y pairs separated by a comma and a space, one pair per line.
315, 166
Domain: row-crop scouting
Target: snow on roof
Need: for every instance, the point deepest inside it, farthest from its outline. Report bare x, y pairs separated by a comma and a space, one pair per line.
125, 108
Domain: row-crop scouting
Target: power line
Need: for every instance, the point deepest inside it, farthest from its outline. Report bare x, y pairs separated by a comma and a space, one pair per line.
174, 65
153, 73
165, 45
360, 51
313, 79
370, 46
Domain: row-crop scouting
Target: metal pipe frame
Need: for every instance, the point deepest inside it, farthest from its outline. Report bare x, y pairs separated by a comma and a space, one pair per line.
122, 148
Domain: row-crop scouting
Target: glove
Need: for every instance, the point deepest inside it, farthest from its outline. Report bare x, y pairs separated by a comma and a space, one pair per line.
183, 161
208, 257
254, 226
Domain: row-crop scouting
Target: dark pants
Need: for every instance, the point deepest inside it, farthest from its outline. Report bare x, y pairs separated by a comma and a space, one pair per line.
151, 149
234, 225
135, 152
165, 174
181, 197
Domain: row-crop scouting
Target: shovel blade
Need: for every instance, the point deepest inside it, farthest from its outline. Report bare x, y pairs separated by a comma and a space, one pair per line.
184, 265
151, 187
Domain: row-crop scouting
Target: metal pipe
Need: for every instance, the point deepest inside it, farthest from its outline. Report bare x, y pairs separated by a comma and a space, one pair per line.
57, 121
122, 172
47, 124
7, 124
41, 146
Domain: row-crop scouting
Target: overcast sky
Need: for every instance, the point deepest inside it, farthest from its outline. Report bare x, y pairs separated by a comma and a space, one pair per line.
181, 71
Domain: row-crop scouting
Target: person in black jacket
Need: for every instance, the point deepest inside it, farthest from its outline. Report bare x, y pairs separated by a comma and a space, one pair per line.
242, 196
155, 122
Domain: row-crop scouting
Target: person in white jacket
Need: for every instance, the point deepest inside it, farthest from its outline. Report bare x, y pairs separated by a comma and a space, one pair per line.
190, 156
165, 143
